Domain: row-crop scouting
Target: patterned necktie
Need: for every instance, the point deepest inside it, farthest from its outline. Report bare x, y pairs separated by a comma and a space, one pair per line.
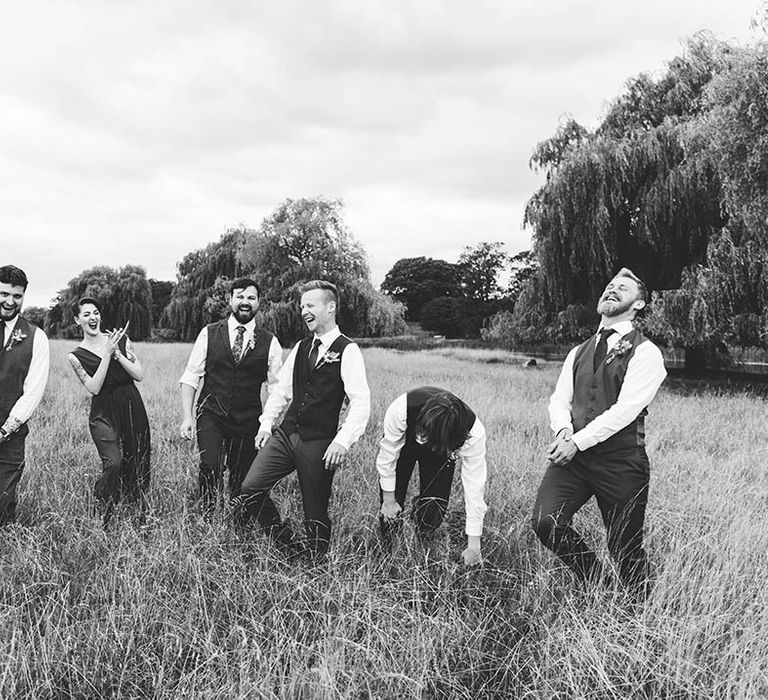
237, 348
314, 353
602, 347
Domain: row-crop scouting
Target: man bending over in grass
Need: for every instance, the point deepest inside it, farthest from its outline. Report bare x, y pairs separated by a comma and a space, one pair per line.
597, 413
433, 427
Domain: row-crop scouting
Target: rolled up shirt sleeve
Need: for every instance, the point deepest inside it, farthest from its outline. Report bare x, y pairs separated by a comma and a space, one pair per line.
391, 443
474, 473
195, 369
645, 374
562, 398
35, 381
356, 388
280, 393
274, 364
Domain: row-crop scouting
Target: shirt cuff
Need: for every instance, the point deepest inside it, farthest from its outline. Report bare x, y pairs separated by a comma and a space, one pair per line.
344, 440
190, 380
583, 442
474, 528
387, 483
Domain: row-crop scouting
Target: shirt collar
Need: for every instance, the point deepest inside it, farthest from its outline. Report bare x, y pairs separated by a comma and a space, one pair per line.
234, 323
327, 339
9, 326
621, 328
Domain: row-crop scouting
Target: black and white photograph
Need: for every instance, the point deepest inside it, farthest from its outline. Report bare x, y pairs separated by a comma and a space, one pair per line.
384, 350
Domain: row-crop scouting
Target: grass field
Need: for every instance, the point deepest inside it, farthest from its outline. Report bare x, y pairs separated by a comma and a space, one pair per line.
178, 607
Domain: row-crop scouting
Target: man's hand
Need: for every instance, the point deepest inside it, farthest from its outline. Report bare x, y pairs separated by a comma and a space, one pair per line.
472, 556
334, 456
562, 450
261, 438
187, 428
390, 508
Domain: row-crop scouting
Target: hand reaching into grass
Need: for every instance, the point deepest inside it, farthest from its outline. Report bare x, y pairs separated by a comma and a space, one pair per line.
390, 508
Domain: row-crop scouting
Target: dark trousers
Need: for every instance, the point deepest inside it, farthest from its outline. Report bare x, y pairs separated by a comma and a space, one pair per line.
221, 449
619, 482
435, 479
279, 457
124, 475
11, 467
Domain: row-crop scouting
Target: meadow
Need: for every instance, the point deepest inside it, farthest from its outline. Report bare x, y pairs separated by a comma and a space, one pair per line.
179, 607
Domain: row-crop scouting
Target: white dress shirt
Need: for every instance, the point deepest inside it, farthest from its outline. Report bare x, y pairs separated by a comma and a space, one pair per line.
645, 373
355, 386
37, 376
470, 456
195, 370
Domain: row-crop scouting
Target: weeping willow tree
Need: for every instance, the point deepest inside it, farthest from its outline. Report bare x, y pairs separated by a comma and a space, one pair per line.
301, 240
629, 193
125, 295
307, 239
674, 184
201, 282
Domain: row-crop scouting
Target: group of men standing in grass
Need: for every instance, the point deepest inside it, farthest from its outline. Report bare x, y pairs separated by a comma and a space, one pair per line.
596, 412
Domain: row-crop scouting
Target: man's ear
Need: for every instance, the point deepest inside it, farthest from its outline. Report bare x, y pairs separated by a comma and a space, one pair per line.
638, 305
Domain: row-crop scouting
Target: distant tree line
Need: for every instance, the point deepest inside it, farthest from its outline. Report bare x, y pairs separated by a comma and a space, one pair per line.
674, 184
457, 299
301, 240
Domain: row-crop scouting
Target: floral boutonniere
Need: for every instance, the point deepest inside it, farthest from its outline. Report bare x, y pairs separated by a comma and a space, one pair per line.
16, 337
251, 344
330, 358
619, 350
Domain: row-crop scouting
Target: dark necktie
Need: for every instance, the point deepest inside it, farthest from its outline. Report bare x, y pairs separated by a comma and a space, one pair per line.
313, 353
2, 336
237, 348
601, 350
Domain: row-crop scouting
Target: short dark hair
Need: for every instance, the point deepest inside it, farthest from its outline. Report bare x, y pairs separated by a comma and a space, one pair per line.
82, 301
641, 288
243, 283
444, 422
331, 293
10, 274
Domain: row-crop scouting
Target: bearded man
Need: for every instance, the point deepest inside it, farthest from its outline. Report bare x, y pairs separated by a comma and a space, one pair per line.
24, 361
234, 357
597, 413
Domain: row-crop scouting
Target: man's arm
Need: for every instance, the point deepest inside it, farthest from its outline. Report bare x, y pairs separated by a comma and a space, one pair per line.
562, 398
390, 446
359, 395
34, 385
274, 364
189, 382
645, 374
474, 472
280, 394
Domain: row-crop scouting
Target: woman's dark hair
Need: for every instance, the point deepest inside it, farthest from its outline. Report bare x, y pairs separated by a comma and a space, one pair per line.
82, 301
444, 422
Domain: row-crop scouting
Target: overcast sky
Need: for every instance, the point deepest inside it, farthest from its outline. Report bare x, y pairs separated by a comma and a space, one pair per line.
134, 132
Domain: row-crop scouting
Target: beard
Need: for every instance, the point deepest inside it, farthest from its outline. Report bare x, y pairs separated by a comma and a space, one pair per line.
612, 308
6, 315
244, 315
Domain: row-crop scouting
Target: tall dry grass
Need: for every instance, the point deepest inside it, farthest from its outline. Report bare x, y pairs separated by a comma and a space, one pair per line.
177, 607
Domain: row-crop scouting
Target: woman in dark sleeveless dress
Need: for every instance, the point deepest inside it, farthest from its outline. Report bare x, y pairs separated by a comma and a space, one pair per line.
107, 366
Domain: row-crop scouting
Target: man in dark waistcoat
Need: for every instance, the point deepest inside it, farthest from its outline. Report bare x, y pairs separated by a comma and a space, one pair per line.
234, 358
597, 413
319, 373
24, 359
437, 429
